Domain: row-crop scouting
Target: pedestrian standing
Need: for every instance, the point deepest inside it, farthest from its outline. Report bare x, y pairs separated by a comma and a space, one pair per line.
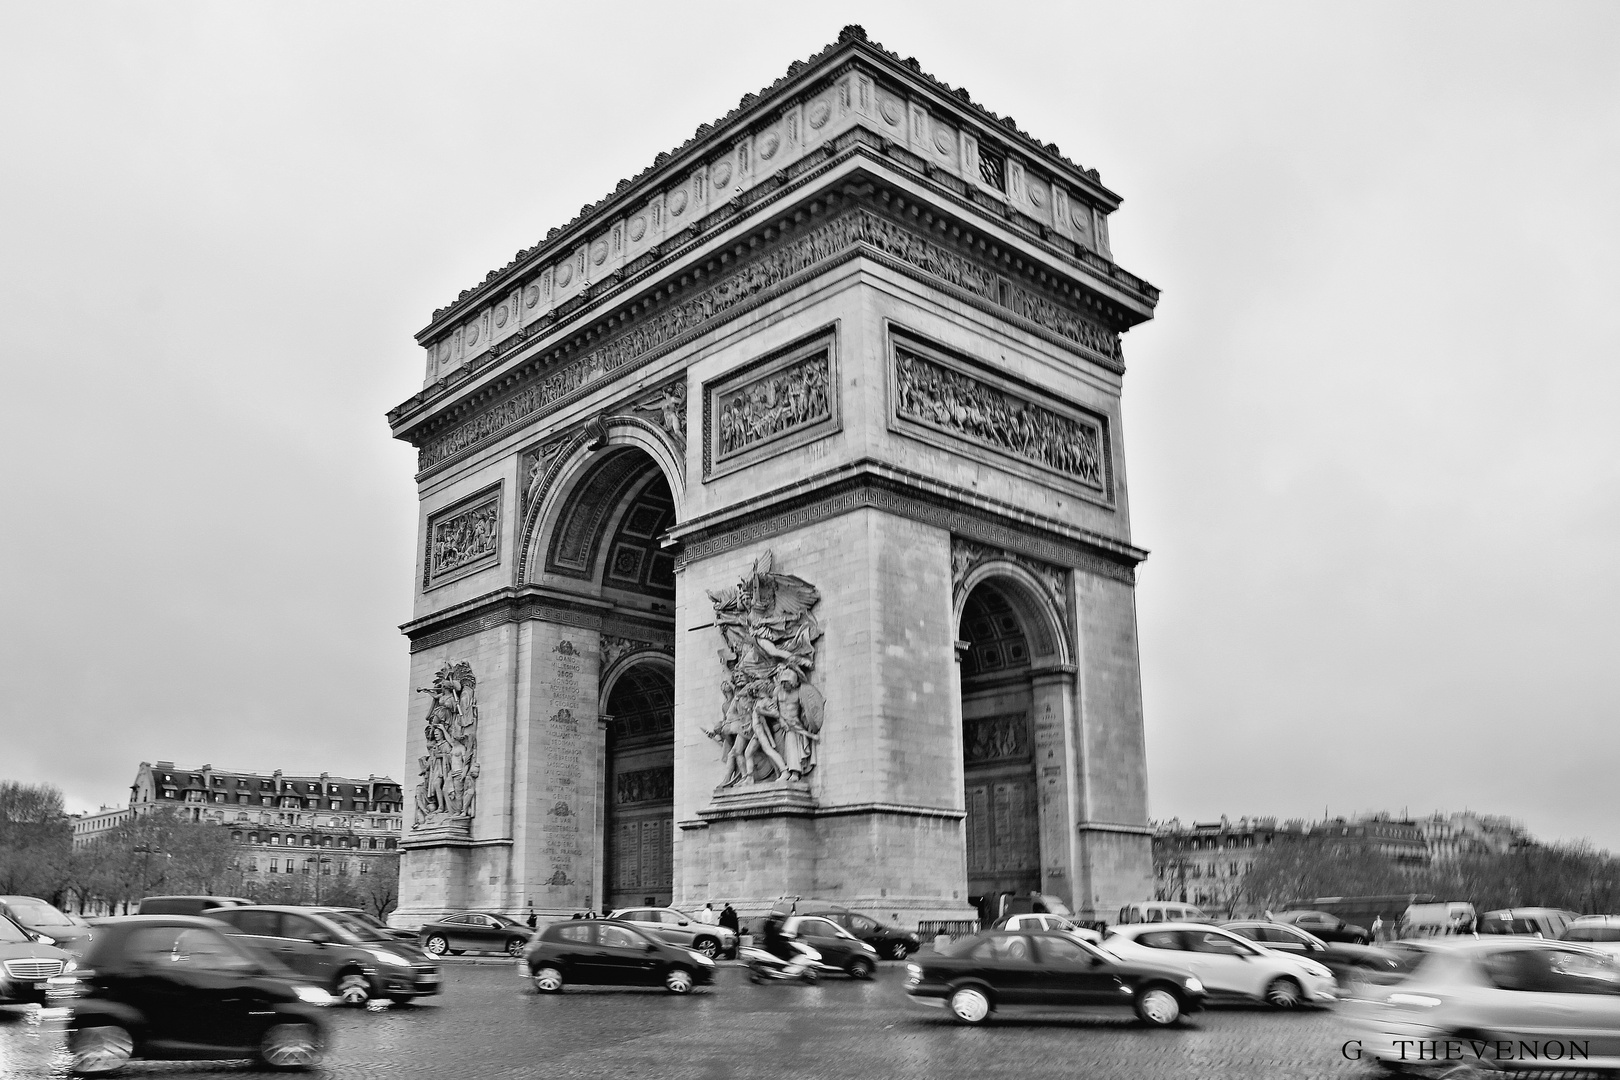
707, 916
1377, 927
728, 919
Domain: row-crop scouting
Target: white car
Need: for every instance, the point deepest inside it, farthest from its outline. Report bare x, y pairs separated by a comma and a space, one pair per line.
1038, 922
1600, 932
1229, 966
677, 929
1495, 1002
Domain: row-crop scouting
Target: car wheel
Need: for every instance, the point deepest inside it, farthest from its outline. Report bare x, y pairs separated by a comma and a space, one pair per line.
678, 981
436, 945
548, 979
353, 989
970, 1005
899, 951
1283, 994
101, 1049
860, 968
515, 947
809, 975
291, 1046
708, 946
1158, 1006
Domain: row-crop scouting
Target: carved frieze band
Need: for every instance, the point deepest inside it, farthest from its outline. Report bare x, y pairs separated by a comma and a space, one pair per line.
941, 397
464, 539
785, 401
995, 738
644, 786
831, 240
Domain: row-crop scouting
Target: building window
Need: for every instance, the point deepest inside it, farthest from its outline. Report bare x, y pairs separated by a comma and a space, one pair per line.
365, 867
275, 838
389, 843
272, 868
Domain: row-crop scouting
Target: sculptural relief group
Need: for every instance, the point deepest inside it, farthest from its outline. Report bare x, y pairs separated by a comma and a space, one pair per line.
770, 714
449, 770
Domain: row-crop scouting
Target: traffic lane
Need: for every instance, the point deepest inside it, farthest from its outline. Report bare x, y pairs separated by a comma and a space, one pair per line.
491, 1023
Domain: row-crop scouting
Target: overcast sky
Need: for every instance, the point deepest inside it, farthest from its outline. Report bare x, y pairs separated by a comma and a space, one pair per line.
1371, 435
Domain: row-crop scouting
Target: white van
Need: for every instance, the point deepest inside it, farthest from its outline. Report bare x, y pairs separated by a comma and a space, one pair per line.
1538, 922
1146, 911
1437, 920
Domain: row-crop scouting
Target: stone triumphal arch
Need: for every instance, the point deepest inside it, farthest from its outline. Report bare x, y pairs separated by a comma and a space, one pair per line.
774, 533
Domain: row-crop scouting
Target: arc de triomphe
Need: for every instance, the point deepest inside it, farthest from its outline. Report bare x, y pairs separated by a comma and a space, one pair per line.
774, 529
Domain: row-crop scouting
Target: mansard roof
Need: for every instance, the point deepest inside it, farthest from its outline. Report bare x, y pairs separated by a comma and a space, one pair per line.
852, 40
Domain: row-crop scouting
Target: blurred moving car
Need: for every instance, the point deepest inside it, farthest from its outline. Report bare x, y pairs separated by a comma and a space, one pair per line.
53, 927
1436, 920
1327, 926
27, 965
1529, 921
1033, 922
395, 932
607, 952
188, 905
677, 929
1155, 911
1499, 1002
1600, 932
839, 948
335, 951
997, 969
891, 942
474, 931
176, 987
1228, 965
1345, 960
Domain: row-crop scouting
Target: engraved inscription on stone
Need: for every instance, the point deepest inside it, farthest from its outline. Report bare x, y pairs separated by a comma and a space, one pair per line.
773, 405
564, 762
464, 538
931, 393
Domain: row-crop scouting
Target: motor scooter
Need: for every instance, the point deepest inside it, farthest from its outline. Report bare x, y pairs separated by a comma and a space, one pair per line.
764, 965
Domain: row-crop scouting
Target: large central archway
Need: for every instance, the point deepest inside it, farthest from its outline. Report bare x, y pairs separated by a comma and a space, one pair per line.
638, 865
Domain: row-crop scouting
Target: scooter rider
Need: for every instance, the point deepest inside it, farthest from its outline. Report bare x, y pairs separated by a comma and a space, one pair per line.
780, 945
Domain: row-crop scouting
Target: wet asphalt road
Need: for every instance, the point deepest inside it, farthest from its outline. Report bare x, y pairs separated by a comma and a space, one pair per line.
490, 1024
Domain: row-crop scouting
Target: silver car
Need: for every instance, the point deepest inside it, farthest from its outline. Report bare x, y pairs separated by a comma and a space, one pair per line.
1491, 1003
677, 929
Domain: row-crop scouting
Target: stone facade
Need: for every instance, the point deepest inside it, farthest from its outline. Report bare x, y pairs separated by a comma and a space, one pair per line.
865, 335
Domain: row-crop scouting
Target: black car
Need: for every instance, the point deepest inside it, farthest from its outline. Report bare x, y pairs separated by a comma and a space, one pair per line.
838, 947
188, 905
606, 952
173, 987
891, 942
475, 931
27, 965
334, 950
1327, 926
994, 970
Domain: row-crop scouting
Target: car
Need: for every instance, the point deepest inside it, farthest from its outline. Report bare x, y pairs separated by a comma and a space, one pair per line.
610, 952
994, 970
677, 929
27, 965
1531, 921
54, 928
1327, 926
188, 905
1600, 932
1346, 961
396, 932
1154, 911
179, 987
1491, 1002
474, 931
1044, 922
838, 947
1231, 967
336, 951
890, 942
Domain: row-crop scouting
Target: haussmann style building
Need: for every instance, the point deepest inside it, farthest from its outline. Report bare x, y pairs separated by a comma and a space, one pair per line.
774, 531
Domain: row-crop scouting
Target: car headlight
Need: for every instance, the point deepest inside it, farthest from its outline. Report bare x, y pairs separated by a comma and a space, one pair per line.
385, 957
1422, 1001
1312, 967
1193, 985
700, 958
43, 939
312, 995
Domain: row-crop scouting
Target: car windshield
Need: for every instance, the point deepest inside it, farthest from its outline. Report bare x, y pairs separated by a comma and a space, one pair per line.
959, 947
1502, 925
1592, 933
11, 933
359, 928
37, 913
502, 920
